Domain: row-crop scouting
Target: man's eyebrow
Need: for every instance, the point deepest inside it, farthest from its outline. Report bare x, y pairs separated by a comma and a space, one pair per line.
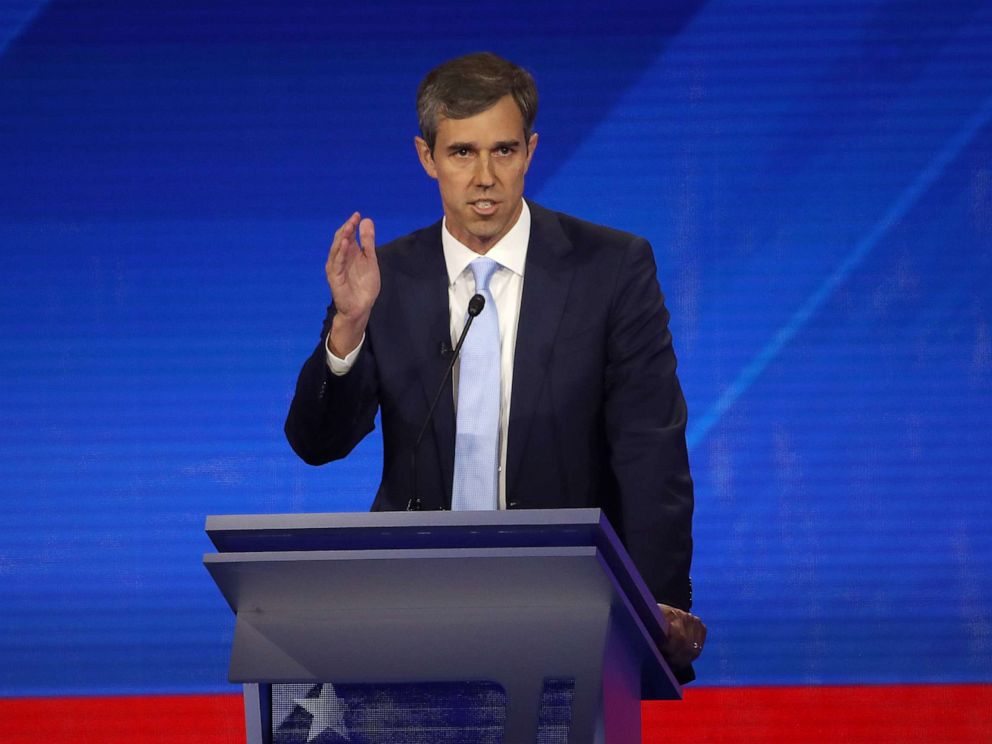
456, 146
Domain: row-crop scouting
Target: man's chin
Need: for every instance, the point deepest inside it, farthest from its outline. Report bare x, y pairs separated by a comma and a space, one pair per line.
481, 232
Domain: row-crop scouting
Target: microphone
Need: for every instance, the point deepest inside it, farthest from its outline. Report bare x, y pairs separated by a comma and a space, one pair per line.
475, 306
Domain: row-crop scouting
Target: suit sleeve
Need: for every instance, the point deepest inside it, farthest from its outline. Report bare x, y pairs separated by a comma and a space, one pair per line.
331, 414
645, 422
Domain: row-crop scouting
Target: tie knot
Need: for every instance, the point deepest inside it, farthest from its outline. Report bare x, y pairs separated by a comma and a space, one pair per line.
483, 270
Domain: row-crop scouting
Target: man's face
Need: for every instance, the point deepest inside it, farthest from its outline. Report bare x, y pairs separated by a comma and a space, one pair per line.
479, 164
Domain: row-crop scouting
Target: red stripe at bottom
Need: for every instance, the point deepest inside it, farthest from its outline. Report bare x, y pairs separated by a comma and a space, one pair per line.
149, 719
869, 714
894, 713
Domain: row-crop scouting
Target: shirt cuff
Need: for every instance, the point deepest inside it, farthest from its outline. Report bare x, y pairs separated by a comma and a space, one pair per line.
338, 366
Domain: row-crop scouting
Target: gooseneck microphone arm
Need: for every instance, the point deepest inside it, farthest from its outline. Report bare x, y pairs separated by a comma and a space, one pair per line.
475, 306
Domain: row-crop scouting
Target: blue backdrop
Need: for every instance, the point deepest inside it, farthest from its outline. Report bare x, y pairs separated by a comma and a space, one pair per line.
815, 178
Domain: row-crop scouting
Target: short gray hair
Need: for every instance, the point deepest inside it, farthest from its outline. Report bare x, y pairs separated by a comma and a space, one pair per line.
466, 86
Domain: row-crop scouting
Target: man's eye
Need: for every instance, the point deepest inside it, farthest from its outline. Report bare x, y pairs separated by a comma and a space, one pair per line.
462, 152
505, 150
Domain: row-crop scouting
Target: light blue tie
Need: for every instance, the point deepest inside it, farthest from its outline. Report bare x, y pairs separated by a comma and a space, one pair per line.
477, 434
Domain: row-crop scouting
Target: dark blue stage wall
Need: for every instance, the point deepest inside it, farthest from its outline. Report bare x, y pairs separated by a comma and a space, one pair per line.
815, 178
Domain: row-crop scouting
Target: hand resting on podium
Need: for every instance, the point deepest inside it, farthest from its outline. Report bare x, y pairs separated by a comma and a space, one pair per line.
686, 636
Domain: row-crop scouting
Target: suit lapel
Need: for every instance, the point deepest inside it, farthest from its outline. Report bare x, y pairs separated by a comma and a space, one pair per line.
547, 278
425, 308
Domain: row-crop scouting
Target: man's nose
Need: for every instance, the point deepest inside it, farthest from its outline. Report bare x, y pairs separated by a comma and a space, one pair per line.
484, 176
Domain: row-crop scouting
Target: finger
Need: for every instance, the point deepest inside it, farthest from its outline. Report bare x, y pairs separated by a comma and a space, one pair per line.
346, 230
344, 237
668, 612
366, 232
685, 638
698, 636
698, 628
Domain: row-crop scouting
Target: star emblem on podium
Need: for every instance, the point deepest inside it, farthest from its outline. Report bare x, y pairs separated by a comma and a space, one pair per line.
326, 711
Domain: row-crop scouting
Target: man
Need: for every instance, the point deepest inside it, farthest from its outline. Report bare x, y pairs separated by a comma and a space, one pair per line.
573, 377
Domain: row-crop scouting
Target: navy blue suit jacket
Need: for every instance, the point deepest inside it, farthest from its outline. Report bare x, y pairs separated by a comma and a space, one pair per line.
597, 417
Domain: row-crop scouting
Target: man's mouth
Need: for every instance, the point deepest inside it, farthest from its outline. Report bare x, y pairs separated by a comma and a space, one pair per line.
484, 206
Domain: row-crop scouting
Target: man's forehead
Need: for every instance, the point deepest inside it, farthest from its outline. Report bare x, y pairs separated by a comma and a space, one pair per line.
499, 123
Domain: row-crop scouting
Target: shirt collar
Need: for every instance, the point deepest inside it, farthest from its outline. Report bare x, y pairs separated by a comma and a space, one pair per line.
510, 251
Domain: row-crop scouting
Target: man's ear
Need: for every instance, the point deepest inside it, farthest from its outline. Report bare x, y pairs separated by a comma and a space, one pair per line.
531, 146
426, 156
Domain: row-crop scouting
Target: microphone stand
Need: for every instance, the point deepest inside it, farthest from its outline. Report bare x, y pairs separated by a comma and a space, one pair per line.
475, 306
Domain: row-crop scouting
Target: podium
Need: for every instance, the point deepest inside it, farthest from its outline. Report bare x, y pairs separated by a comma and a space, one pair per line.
511, 597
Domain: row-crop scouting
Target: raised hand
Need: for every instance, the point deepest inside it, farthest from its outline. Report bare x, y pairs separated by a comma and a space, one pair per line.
353, 276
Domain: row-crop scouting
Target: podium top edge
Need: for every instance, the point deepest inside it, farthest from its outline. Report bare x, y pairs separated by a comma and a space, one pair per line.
404, 519
238, 533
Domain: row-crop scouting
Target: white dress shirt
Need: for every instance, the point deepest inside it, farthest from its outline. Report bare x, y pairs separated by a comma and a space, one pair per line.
506, 287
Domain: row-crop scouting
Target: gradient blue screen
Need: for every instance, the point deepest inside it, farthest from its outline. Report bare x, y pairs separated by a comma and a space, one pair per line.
815, 178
